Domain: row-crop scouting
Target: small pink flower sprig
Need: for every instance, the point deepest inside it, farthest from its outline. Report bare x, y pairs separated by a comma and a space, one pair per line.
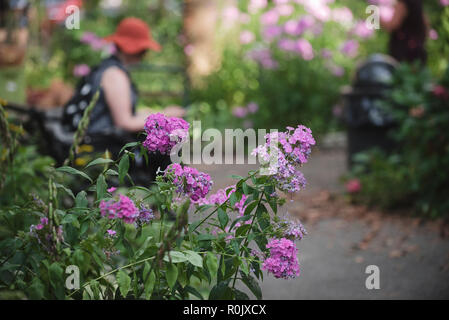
188, 181
163, 133
290, 149
283, 260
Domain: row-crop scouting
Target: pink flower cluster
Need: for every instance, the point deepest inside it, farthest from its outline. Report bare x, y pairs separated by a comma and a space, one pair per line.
44, 235
163, 133
353, 186
189, 181
291, 229
81, 70
124, 209
282, 261
242, 112
282, 153
97, 43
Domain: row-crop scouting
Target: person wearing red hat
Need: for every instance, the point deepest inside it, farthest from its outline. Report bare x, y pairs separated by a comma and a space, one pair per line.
116, 105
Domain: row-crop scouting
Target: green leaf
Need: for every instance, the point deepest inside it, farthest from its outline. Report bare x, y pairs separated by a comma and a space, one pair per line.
98, 161
55, 275
81, 200
143, 247
67, 190
111, 172
250, 208
101, 187
221, 291
211, 263
150, 280
194, 258
176, 257
195, 292
171, 274
240, 295
74, 171
36, 290
129, 145
124, 283
223, 218
252, 285
123, 168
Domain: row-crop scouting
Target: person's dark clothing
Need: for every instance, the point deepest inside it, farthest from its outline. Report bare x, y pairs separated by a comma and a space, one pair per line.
102, 133
407, 43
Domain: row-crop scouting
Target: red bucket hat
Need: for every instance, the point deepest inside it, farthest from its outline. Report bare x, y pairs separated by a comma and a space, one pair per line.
133, 36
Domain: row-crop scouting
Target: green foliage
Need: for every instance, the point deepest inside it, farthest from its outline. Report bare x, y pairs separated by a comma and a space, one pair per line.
415, 175
178, 258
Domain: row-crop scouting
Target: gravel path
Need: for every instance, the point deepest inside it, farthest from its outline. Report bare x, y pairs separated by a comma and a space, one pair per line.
413, 257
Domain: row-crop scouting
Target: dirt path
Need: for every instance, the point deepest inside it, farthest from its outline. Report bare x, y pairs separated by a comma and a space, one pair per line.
412, 256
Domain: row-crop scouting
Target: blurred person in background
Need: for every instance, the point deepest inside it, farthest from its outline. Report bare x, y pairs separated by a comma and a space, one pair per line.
408, 28
116, 105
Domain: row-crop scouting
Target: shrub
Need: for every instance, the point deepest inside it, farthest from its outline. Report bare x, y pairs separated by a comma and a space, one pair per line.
158, 241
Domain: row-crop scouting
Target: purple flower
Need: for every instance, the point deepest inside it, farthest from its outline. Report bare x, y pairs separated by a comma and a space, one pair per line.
145, 215
239, 112
163, 133
433, 34
111, 233
252, 107
271, 32
305, 49
189, 181
246, 37
112, 189
286, 44
292, 149
362, 31
81, 70
256, 5
282, 261
350, 48
123, 209
270, 17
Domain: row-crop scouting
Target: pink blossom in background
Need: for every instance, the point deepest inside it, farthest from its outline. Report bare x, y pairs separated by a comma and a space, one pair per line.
286, 44
256, 5
281, 1
386, 12
88, 37
188, 50
361, 30
317, 29
444, 3
342, 15
433, 34
319, 9
239, 112
326, 54
291, 27
305, 49
246, 37
270, 17
231, 14
252, 107
263, 56
350, 48
336, 70
353, 186
245, 18
284, 10
271, 32
81, 70
112, 189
